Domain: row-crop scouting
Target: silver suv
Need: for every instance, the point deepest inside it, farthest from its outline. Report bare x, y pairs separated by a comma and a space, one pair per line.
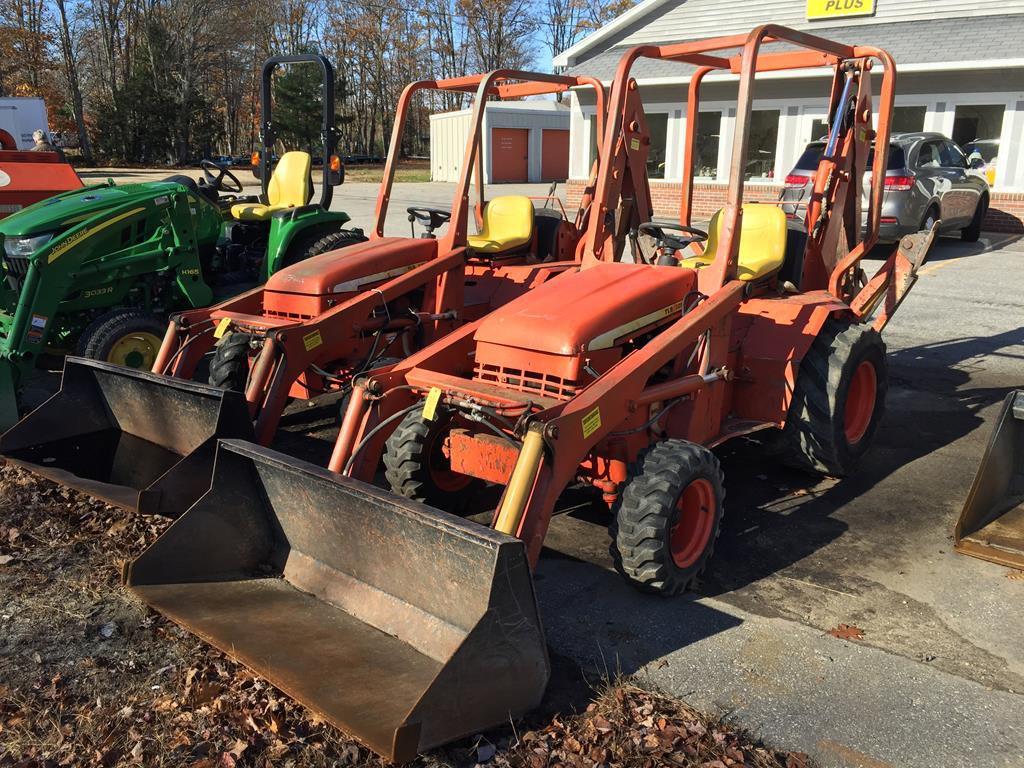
926, 179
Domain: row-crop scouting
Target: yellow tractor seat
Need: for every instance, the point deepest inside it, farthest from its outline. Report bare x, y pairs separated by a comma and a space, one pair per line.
289, 187
508, 224
762, 242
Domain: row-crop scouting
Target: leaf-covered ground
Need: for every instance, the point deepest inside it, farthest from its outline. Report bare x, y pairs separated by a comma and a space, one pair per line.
90, 677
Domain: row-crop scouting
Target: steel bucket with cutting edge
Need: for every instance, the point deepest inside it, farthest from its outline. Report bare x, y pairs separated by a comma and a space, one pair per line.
991, 525
402, 625
134, 439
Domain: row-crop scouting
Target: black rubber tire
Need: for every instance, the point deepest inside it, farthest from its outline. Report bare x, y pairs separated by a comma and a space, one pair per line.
814, 438
647, 510
229, 368
972, 231
318, 241
407, 468
99, 337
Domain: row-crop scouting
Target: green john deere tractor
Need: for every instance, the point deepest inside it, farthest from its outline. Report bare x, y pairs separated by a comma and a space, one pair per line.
96, 271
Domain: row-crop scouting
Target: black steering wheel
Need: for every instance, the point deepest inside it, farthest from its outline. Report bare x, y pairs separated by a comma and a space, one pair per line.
667, 244
214, 175
429, 218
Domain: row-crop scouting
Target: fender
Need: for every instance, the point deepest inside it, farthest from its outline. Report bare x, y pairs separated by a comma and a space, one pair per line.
285, 226
771, 337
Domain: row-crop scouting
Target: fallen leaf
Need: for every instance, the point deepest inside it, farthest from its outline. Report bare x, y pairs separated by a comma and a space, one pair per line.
5, 559
847, 632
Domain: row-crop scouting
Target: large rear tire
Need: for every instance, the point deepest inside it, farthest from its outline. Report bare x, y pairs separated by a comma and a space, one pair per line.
309, 244
838, 402
229, 368
667, 517
126, 337
417, 467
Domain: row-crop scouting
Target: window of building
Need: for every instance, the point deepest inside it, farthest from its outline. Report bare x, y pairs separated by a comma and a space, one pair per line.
705, 161
592, 127
977, 121
657, 125
908, 119
819, 130
764, 135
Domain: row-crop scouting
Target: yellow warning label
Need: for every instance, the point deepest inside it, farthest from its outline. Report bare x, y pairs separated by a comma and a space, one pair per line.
634, 144
312, 340
591, 422
430, 404
222, 327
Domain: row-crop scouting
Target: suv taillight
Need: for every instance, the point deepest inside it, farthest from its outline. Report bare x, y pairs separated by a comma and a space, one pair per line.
797, 180
899, 183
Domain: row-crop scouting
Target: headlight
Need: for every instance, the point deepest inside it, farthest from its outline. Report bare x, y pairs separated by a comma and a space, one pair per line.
26, 246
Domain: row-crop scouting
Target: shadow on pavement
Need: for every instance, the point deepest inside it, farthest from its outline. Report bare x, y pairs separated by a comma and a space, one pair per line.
777, 516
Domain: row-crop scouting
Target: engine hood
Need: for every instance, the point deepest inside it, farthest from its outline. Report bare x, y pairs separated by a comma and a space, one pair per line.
590, 309
354, 268
71, 208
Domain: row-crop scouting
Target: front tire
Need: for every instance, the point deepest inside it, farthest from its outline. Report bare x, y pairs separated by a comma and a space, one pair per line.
667, 517
838, 402
972, 231
127, 337
229, 368
417, 467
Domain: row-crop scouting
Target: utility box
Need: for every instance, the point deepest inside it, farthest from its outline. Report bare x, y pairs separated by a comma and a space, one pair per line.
20, 117
523, 141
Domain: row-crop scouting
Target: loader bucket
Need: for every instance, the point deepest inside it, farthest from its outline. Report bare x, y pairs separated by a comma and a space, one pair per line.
991, 525
134, 439
402, 625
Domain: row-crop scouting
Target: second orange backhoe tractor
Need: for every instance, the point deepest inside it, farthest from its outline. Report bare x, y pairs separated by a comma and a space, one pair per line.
309, 330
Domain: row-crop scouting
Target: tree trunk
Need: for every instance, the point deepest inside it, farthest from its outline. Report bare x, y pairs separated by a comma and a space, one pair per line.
74, 83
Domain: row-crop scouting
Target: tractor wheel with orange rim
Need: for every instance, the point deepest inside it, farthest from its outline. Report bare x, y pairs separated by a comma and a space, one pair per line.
126, 337
417, 463
839, 400
667, 517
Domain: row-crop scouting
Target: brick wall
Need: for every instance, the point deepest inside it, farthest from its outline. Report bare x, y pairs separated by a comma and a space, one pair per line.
1005, 214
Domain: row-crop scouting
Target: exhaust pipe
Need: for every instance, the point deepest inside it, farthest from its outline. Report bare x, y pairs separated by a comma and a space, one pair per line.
134, 439
402, 625
991, 525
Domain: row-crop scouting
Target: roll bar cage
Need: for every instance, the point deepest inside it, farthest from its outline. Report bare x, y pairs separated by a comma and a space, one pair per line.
328, 129
500, 84
718, 55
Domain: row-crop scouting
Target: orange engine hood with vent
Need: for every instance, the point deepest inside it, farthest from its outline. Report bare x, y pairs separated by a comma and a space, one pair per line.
588, 310
312, 286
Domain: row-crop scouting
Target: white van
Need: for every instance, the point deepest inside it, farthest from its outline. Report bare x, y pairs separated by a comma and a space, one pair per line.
20, 117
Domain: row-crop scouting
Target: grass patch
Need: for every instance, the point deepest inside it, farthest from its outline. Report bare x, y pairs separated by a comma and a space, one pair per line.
408, 171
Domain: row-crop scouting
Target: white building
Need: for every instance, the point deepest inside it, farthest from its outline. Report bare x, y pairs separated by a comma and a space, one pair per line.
960, 72
522, 141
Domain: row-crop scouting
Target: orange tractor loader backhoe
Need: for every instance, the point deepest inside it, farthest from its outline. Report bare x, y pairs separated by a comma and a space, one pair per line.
307, 331
406, 626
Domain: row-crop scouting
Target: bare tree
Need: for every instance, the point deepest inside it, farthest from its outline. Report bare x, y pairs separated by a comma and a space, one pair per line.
69, 56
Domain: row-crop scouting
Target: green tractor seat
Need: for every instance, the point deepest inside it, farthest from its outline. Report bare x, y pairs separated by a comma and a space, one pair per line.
289, 187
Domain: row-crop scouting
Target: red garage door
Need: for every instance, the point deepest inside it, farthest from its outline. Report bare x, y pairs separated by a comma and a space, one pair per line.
509, 154
554, 155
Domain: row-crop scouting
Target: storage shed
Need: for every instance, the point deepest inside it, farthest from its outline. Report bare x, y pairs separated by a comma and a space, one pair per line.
523, 141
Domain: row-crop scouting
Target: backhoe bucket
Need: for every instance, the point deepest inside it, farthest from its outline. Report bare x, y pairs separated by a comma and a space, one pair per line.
991, 525
134, 439
402, 625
